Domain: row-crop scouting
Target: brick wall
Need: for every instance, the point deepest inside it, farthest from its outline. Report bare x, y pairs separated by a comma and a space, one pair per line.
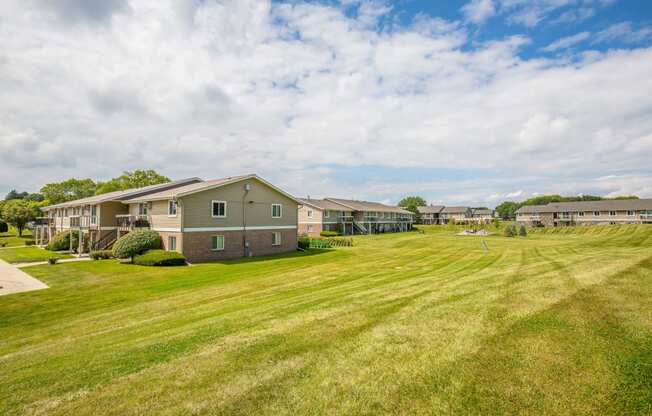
313, 231
197, 245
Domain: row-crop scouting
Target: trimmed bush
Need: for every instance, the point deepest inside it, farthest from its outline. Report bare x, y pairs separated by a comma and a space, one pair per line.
30, 242
101, 254
510, 231
135, 243
53, 260
304, 243
61, 241
160, 258
4, 227
329, 233
522, 231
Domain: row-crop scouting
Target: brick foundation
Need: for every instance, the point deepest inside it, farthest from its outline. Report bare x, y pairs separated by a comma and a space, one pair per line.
197, 245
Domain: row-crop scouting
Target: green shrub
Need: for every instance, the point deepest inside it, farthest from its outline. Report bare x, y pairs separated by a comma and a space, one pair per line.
303, 243
522, 231
510, 231
30, 242
3, 227
61, 241
329, 233
101, 254
160, 258
53, 260
135, 243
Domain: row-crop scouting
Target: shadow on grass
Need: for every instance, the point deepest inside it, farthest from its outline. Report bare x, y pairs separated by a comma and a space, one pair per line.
295, 254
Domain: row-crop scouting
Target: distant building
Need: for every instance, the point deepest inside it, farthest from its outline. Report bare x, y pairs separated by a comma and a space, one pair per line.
430, 214
559, 214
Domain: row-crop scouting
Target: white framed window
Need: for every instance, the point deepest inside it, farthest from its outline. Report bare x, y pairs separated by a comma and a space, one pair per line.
276, 238
217, 243
596, 213
142, 208
277, 210
172, 208
327, 214
309, 228
218, 209
172, 243
581, 213
309, 213
612, 213
631, 213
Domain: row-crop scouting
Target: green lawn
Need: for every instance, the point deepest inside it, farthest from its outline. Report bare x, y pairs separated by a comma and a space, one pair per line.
556, 323
28, 255
11, 239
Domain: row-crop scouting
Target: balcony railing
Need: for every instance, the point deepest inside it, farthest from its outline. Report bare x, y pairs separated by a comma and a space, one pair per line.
83, 221
130, 222
44, 221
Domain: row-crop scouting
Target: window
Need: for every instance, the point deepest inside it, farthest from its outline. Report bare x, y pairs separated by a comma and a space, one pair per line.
596, 213
309, 228
219, 209
217, 243
309, 213
94, 214
277, 210
142, 209
327, 214
581, 214
276, 238
172, 243
612, 213
172, 208
631, 213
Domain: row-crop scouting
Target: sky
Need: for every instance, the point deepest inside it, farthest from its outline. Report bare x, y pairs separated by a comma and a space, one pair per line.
461, 102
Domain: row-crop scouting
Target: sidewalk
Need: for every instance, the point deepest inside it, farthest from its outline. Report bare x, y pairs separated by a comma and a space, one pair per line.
40, 263
14, 280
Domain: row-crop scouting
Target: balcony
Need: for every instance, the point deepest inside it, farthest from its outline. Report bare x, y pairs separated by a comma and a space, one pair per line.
345, 218
44, 222
83, 221
130, 222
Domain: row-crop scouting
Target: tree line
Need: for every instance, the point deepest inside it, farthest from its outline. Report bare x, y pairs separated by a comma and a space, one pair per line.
20, 208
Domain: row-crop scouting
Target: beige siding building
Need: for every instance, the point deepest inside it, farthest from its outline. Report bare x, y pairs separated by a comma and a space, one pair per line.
351, 217
634, 211
205, 220
430, 214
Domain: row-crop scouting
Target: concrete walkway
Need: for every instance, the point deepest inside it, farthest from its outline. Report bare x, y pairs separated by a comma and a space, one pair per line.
14, 280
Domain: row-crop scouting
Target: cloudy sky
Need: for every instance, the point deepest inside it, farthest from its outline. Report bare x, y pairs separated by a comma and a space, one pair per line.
461, 102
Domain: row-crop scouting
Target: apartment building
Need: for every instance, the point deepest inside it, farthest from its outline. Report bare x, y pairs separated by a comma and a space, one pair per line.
482, 215
430, 214
218, 219
558, 214
351, 217
455, 214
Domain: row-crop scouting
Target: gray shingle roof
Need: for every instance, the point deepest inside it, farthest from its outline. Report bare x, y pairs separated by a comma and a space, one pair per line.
605, 205
123, 195
483, 212
324, 204
455, 210
368, 206
430, 209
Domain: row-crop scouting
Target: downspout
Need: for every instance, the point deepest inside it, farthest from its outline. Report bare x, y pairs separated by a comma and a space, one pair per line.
247, 187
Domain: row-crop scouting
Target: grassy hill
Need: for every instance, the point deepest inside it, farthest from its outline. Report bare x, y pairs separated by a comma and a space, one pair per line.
559, 322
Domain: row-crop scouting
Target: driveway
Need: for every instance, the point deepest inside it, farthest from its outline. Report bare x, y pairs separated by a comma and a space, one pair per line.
14, 280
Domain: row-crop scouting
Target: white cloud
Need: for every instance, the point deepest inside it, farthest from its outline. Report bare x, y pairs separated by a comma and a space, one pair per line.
567, 42
477, 11
220, 88
622, 32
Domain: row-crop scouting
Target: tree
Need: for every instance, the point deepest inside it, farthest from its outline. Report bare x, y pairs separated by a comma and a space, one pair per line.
68, 190
412, 204
510, 231
130, 180
19, 212
507, 209
13, 194
522, 231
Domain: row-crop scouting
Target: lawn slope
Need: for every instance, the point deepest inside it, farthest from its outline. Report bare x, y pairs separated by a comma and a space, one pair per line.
412, 323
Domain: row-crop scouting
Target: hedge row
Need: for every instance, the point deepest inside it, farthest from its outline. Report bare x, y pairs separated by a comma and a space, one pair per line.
160, 258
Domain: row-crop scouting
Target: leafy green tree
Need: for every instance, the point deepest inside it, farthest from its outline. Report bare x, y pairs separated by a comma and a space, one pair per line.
522, 231
507, 209
68, 190
412, 204
510, 231
13, 194
19, 212
129, 180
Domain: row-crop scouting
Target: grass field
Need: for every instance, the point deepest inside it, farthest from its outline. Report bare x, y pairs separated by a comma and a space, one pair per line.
28, 255
556, 323
11, 239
